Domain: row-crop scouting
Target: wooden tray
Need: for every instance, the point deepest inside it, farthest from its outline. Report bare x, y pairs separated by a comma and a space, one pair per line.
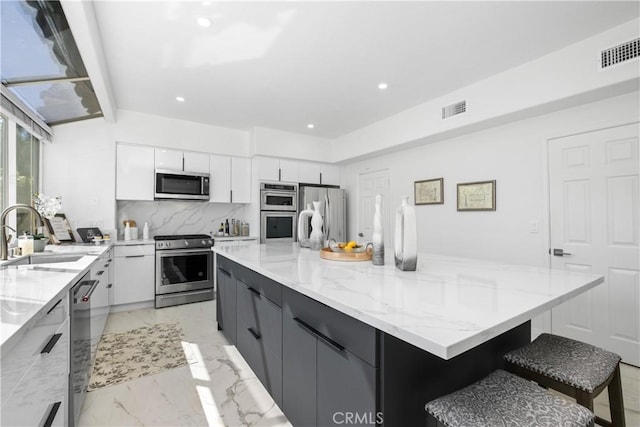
327, 253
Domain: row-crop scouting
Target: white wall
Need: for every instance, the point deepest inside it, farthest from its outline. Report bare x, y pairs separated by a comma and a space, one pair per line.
80, 166
277, 143
565, 77
158, 131
514, 155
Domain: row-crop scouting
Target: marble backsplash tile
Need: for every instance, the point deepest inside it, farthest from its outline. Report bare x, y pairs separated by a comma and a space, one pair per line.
177, 217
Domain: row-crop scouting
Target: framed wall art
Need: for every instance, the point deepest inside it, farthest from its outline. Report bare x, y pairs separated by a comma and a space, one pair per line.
429, 191
477, 196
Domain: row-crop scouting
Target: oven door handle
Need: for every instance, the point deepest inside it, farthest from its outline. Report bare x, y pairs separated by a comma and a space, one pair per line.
173, 252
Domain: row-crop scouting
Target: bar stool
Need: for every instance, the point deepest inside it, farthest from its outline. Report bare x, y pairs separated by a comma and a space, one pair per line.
574, 368
504, 399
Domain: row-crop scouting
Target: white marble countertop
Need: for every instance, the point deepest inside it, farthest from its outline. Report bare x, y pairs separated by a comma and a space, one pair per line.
134, 242
26, 289
234, 238
446, 307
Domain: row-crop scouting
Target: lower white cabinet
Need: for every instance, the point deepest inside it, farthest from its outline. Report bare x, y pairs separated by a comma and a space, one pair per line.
35, 372
134, 271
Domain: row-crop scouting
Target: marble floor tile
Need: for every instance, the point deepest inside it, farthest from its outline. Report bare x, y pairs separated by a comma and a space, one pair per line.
217, 387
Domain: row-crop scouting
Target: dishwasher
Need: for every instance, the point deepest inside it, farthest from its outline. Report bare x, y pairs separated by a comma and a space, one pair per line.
80, 357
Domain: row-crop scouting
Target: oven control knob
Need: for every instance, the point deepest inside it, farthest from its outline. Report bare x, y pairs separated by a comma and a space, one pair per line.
203, 243
160, 244
210, 242
186, 243
167, 244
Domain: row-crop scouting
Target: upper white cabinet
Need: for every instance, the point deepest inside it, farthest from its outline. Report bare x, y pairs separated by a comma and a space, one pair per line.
181, 160
134, 172
319, 173
220, 179
240, 180
274, 169
230, 179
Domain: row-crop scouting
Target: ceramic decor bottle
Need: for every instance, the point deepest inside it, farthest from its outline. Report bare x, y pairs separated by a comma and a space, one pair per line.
378, 234
406, 237
127, 231
316, 240
145, 231
303, 224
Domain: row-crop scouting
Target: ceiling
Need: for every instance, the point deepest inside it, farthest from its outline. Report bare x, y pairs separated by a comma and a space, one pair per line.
284, 65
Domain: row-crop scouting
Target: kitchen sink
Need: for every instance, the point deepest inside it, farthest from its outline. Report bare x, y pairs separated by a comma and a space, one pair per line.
43, 259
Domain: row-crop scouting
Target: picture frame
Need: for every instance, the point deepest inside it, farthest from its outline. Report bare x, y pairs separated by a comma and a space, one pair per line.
429, 191
476, 196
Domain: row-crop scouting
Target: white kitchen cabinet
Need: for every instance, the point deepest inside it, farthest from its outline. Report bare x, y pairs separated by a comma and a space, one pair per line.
330, 174
181, 160
134, 172
230, 179
35, 372
220, 179
319, 173
134, 272
274, 169
240, 180
168, 159
196, 162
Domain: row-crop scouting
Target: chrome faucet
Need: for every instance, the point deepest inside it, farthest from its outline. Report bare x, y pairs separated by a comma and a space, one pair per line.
3, 233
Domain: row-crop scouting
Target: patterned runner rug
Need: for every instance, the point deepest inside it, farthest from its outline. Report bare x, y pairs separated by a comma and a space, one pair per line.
125, 356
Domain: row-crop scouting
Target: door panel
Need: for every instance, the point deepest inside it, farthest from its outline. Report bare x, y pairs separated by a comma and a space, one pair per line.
370, 184
595, 220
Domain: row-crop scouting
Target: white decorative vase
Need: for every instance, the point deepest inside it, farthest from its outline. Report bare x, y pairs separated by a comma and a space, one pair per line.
303, 227
316, 240
406, 237
378, 234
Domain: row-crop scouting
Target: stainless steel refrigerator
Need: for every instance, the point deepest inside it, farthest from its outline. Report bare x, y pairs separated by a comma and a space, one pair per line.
334, 209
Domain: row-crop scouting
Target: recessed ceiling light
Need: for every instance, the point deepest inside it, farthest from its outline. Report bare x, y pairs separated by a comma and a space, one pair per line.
310, 125
382, 86
204, 22
179, 99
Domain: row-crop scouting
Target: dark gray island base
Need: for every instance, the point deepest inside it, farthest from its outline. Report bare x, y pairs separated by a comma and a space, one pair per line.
325, 368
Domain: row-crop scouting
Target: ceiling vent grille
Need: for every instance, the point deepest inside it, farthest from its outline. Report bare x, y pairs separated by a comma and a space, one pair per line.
620, 53
454, 109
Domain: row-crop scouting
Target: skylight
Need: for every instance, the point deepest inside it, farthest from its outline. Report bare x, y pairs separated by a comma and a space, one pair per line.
40, 62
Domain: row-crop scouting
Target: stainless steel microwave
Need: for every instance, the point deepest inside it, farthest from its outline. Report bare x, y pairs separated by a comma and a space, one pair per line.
179, 185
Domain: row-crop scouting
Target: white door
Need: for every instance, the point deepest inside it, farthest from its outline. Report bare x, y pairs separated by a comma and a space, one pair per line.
595, 215
370, 184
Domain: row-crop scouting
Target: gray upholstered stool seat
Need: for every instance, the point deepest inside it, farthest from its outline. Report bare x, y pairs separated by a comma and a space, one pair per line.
572, 367
504, 399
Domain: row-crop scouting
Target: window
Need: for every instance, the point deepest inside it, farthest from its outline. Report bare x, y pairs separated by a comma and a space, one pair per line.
20, 153
27, 169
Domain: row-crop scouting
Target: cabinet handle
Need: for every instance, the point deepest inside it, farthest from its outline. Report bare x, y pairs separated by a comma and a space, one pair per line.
320, 177
304, 325
279, 174
134, 256
253, 291
52, 342
110, 285
225, 272
54, 306
100, 273
52, 414
94, 285
231, 195
254, 333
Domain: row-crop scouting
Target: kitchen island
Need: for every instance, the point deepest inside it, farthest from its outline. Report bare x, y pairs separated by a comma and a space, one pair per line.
372, 342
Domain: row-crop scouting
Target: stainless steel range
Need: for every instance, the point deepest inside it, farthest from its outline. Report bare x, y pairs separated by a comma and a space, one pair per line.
184, 269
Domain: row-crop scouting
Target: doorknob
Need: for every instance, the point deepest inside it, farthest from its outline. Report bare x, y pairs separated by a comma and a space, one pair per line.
560, 252
360, 235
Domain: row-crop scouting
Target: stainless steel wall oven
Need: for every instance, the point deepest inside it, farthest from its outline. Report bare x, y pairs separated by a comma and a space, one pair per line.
278, 212
184, 269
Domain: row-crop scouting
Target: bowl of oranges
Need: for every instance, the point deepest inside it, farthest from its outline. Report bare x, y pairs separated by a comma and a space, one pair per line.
346, 247
347, 251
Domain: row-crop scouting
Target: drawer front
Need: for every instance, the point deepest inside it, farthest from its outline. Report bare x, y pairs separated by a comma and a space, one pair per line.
264, 285
134, 250
15, 363
260, 338
347, 332
34, 398
226, 305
